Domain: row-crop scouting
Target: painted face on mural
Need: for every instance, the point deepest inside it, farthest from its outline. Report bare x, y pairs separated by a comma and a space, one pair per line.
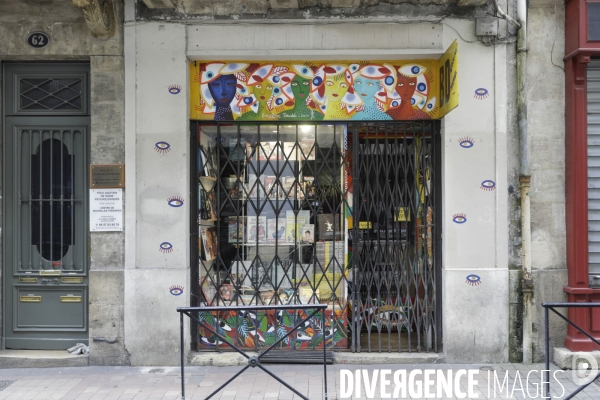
300, 87
336, 87
263, 91
406, 87
222, 89
366, 88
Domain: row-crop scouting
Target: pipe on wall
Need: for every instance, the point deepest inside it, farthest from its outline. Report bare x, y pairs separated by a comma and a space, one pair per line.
525, 183
524, 175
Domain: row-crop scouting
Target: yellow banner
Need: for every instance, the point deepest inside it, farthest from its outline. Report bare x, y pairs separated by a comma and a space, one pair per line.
448, 77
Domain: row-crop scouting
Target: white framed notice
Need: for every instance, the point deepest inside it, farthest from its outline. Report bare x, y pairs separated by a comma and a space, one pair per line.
106, 210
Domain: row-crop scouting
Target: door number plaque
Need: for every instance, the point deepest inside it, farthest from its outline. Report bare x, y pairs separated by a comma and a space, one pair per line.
38, 40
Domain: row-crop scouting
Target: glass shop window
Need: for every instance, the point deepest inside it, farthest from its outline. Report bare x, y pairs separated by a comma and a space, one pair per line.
272, 214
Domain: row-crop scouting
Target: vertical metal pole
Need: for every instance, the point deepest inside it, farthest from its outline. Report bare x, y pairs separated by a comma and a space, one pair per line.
325, 352
547, 369
181, 350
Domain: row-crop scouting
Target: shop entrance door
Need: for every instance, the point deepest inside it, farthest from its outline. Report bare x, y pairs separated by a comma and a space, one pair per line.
45, 261
396, 252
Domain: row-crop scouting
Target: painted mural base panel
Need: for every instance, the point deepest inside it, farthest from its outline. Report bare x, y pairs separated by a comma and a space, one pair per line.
261, 330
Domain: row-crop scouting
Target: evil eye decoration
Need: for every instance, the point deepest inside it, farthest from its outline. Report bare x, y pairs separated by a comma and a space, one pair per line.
459, 218
162, 147
176, 290
466, 142
430, 107
488, 185
473, 280
317, 80
279, 101
175, 201
481, 93
421, 87
276, 79
174, 89
412, 70
166, 247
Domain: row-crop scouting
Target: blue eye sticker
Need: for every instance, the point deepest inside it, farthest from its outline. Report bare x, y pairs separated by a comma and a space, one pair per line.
166, 247
473, 280
176, 290
162, 147
459, 218
488, 185
175, 201
466, 142
481, 93
174, 89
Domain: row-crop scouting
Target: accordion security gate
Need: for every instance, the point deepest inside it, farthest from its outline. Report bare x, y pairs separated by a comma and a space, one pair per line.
297, 213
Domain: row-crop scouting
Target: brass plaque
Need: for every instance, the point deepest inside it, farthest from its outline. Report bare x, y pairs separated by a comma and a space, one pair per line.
71, 279
30, 299
106, 176
27, 280
50, 272
70, 299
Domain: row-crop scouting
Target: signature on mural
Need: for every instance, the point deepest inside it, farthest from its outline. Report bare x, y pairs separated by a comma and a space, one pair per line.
252, 91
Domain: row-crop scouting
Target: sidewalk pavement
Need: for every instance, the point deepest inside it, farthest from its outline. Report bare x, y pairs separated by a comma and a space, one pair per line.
108, 383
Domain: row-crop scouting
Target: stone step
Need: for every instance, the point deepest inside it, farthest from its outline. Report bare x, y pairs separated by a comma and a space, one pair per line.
41, 359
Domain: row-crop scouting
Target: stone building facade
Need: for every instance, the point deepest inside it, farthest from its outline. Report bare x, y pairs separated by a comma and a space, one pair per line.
147, 52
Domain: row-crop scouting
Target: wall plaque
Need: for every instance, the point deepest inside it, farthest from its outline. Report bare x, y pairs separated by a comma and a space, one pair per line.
107, 176
106, 210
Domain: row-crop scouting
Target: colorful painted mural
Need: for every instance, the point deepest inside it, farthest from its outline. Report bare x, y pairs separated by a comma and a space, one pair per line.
264, 91
263, 329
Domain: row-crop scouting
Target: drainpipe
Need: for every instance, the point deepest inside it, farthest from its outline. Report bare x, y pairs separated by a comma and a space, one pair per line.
525, 181
524, 175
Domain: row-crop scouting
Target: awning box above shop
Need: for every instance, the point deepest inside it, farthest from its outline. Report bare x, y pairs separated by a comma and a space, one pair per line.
321, 90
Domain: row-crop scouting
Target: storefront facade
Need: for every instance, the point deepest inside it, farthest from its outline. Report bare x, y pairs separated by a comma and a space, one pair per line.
252, 151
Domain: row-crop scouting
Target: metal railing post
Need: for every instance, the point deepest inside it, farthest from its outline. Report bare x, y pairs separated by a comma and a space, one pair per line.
552, 306
182, 363
547, 371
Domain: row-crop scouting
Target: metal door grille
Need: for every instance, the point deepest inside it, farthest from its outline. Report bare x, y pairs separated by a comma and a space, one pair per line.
378, 270
50, 196
396, 286
51, 94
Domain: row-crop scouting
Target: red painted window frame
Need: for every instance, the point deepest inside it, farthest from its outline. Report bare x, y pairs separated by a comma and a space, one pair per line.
579, 51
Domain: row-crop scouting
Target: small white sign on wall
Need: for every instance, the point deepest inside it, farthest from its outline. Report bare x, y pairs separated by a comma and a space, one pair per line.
106, 210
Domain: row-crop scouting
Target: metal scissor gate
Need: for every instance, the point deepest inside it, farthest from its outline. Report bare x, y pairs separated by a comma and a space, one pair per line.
364, 203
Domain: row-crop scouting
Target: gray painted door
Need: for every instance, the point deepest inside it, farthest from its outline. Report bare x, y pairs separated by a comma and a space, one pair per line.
45, 257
